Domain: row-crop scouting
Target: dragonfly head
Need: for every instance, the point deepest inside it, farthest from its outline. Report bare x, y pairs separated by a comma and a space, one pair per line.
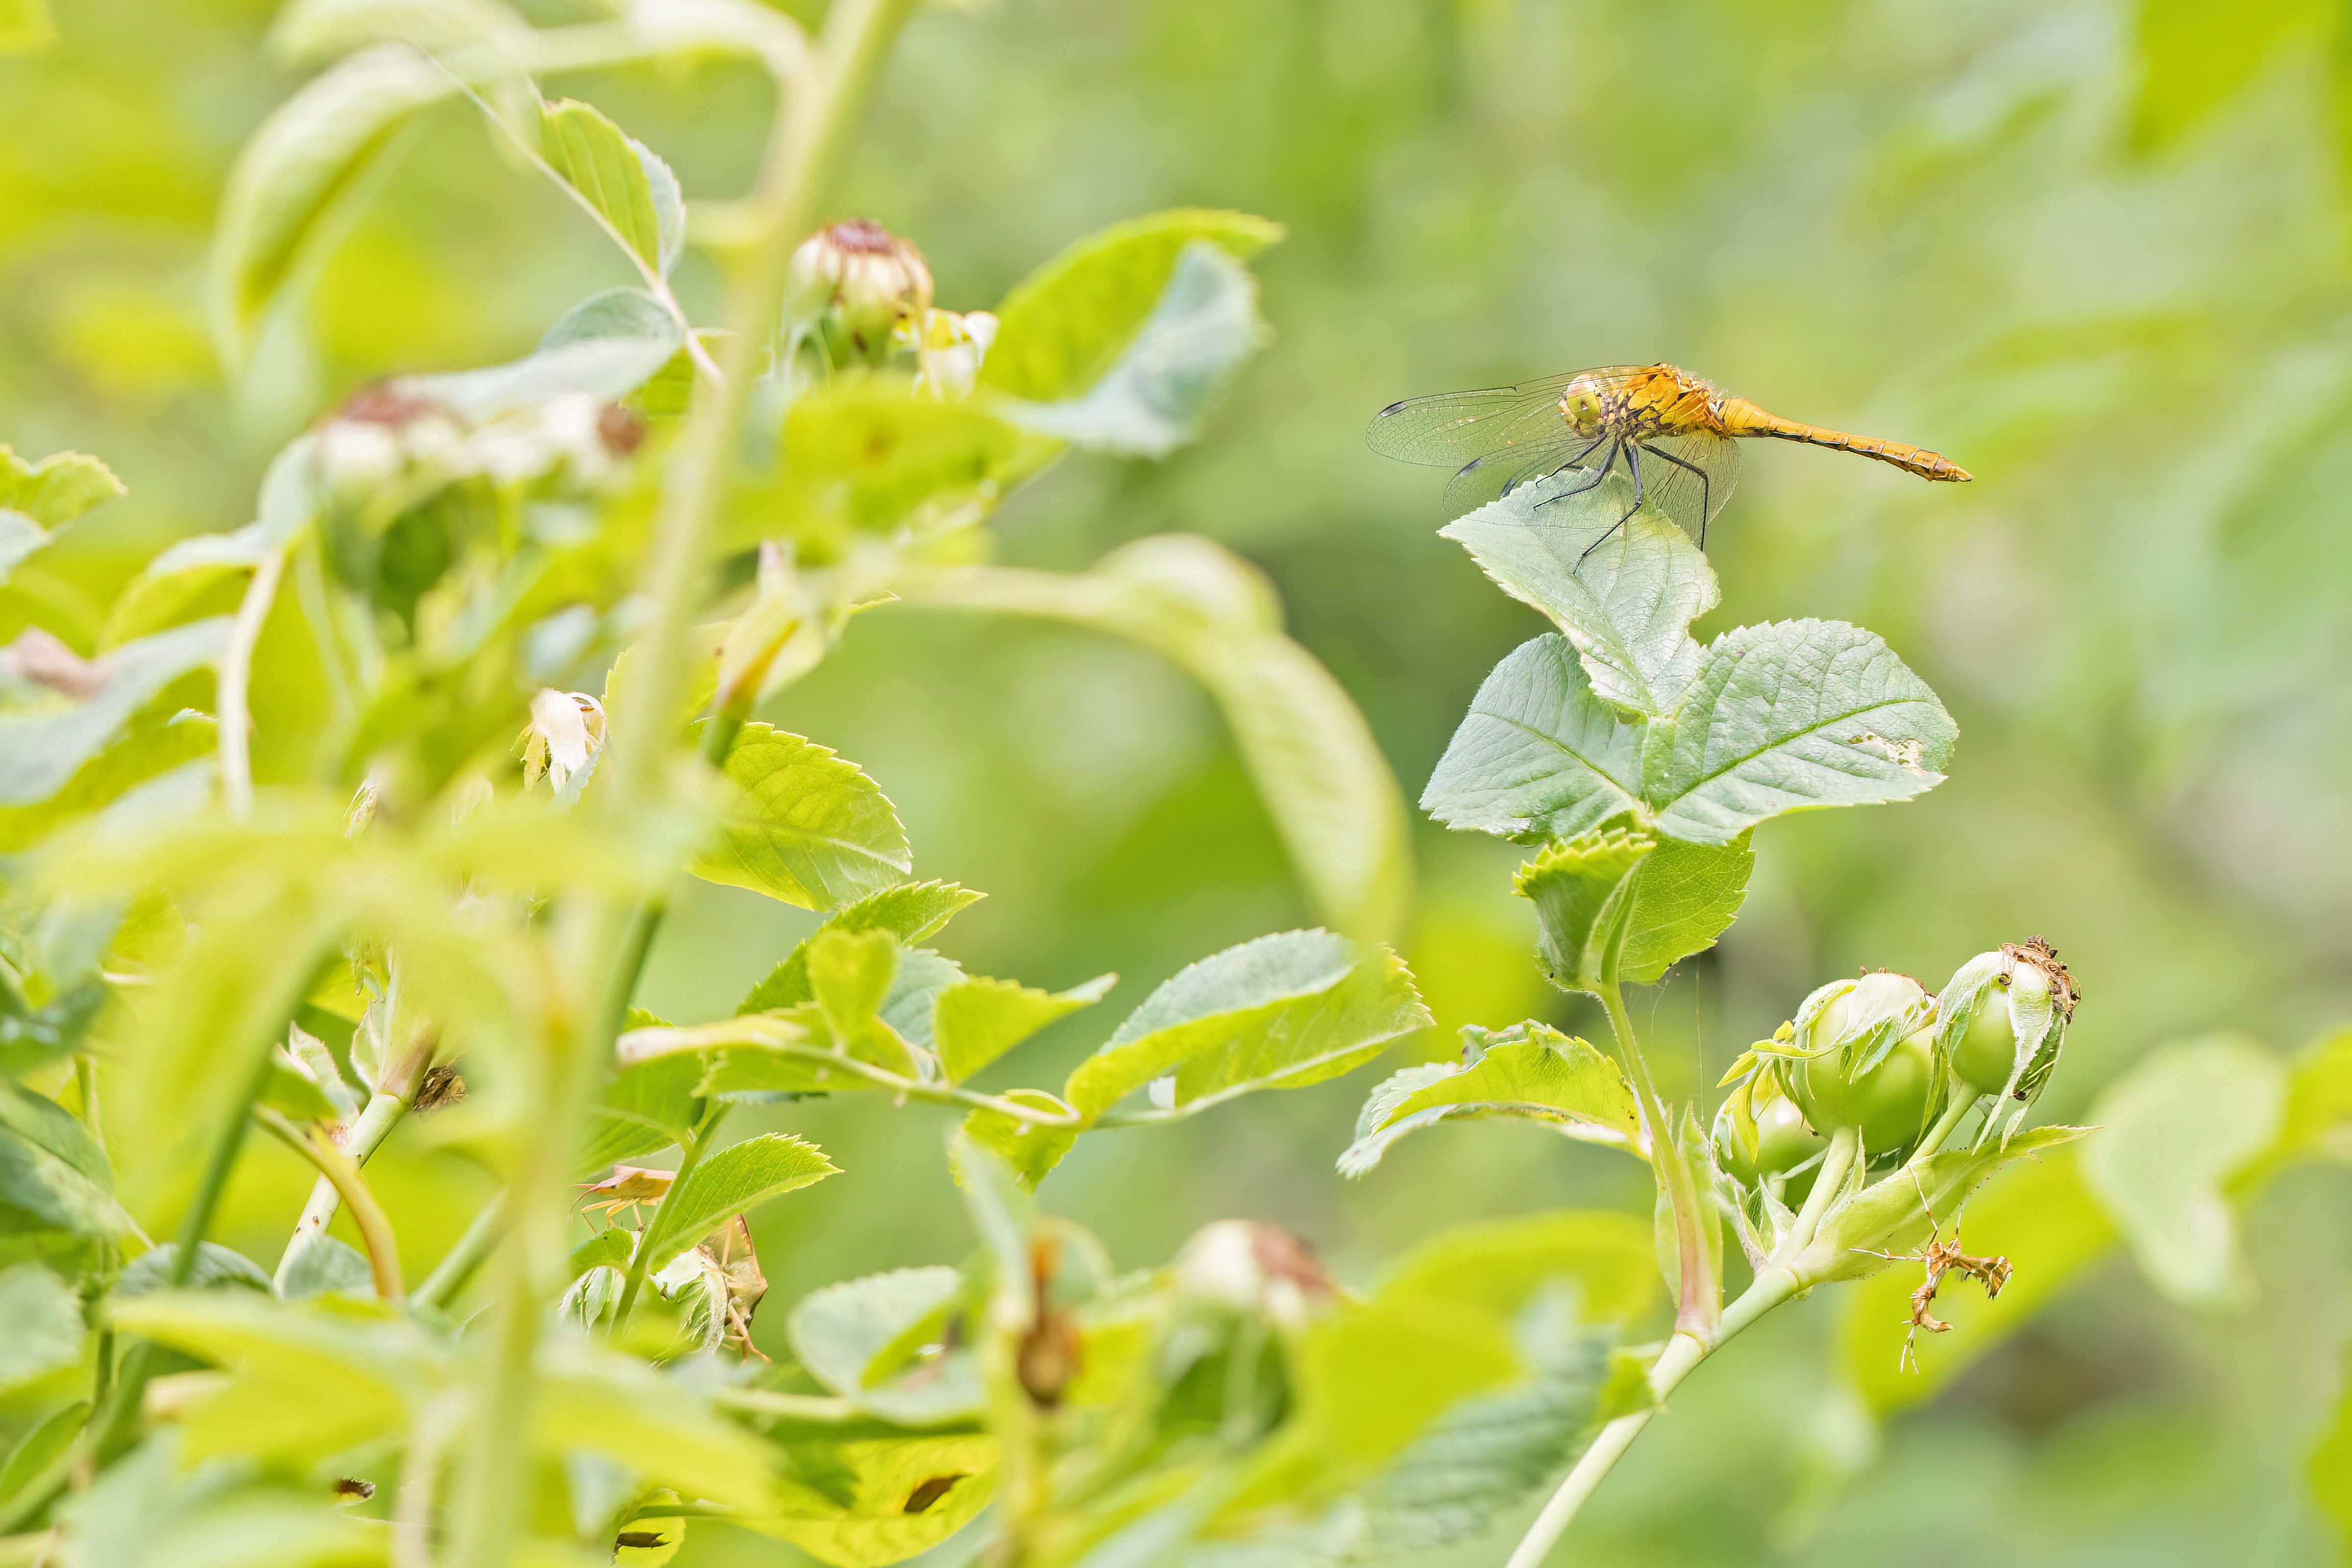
1582, 408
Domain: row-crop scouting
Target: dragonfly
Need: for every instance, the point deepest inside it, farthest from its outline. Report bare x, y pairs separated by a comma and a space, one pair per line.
1673, 437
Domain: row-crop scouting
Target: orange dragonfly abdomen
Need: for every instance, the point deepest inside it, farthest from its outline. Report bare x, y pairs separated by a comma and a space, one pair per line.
1741, 417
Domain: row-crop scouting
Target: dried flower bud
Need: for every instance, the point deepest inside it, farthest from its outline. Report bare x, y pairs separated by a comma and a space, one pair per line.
852, 284
2002, 1022
1861, 1056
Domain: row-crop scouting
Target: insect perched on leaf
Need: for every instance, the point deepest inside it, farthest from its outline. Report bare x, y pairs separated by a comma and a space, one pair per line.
1670, 436
1939, 1259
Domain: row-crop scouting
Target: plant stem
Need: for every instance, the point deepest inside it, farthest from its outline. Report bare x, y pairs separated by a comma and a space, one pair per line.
1700, 1301
1683, 1352
658, 1230
366, 1134
341, 1169
1945, 1125
233, 683
1837, 1162
458, 1265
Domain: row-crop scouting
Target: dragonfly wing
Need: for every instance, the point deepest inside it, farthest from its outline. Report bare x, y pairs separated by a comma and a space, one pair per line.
1689, 476
1453, 427
1499, 472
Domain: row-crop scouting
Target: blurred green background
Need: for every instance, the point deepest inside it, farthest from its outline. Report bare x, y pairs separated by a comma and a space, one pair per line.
2099, 255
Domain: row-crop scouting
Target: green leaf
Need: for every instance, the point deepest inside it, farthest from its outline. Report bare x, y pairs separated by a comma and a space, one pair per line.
319, 1265
853, 975
306, 155
1442, 1328
311, 32
808, 827
20, 536
1062, 327
44, 1326
41, 1447
737, 1178
1789, 716
873, 1501
871, 455
1030, 1148
1307, 749
57, 489
153, 745
1684, 897
1280, 1012
2039, 1214
910, 910
865, 1339
1626, 605
1539, 755
633, 192
2173, 1132
1154, 398
1581, 888
52, 1173
25, 28
587, 1397
604, 348
2318, 1117
217, 1267
2331, 1470
158, 1505
647, 1106
978, 1020
1532, 1073
205, 573
1891, 1215
43, 749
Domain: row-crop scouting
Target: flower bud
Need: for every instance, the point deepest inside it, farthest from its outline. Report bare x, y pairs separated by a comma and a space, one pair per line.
952, 348
2002, 1021
851, 285
565, 732
1862, 1056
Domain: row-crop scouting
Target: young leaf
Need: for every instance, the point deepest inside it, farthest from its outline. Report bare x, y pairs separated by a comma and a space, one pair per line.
44, 1326
41, 750
1153, 398
1030, 1148
1624, 596
1581, 888
807, 827
737, 1178
56, 490
1531, 1073
52, 1173
604, 348
1065, 324
619, 178
1787, 716
1539, 755
976, 1022
1684, 897
1255, 1010
306, 154
911, 911
2173, 1132
853, 975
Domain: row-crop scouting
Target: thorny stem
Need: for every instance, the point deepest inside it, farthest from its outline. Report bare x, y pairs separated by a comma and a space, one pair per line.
340, 1169
1772, 1286
234, 684
822, 100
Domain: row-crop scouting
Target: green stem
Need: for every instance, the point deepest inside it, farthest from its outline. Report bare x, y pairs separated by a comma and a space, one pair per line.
340, 1169
1837, 1162
1963, 1101
365, 1136
458, 1265
232, 683
1700, 1304
658, 1230
1682, 1354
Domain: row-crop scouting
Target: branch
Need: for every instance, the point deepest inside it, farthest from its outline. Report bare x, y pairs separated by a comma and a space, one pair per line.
375, 1226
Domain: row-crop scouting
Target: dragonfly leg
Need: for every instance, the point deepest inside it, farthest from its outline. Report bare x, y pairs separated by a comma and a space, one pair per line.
1598, 474
1703, 496
1633, 466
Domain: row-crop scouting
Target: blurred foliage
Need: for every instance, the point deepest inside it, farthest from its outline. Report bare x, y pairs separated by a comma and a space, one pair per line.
2096, 251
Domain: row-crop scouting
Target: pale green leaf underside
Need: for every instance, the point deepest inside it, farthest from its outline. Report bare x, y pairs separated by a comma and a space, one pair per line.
44, 1326
56, 490
1548, 1077
1540, 755
807, 827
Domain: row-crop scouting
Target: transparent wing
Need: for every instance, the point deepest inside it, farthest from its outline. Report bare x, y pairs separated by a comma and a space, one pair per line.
1688, 478
1507, 469
1453, 428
